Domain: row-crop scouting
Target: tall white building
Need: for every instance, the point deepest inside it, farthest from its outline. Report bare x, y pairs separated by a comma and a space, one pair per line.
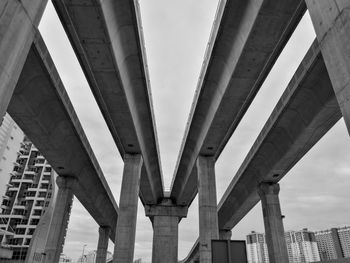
334, 243
301, 246
10, 138
28, 194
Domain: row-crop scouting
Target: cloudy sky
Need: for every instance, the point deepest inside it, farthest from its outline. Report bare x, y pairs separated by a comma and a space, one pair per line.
314, 192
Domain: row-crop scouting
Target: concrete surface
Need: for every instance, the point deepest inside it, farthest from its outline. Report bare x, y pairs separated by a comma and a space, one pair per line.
247, 38
165, 218
108, 41
42, 109
102, 246
331, 20
60, 218
19, 20
207, 207
126, 224
274, 230
305, 112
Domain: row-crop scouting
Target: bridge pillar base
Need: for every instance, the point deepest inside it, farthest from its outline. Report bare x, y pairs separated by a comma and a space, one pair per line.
165, 218
208, 216
101, 253
60, 218
274, 230
126, 225
331, 20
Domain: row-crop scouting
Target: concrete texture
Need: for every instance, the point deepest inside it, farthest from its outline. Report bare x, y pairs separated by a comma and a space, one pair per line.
37, 245
102, 246
19, 20
126, 224
42, 109
207, 206
306, 111
310, 107
60, 218
108, 41
274, 230
246, 40
165, 218
331, 20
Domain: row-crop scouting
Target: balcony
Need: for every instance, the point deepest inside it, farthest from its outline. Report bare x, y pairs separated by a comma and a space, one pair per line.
19, 206
17, 216
5, 197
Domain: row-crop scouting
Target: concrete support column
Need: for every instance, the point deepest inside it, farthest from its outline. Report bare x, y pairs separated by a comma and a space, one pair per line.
208, 216
60, 218
101, 253
331, 20
274, 230
225, 234
165, 218
126, 225
19, 20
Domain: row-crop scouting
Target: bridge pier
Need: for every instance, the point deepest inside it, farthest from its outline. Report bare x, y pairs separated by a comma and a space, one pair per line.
102, 246
165, 218
208, 216
274, 230
60, 218
331, 20
126, 225
18, 24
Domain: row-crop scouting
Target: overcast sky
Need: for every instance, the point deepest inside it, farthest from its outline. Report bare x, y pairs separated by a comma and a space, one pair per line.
313, 194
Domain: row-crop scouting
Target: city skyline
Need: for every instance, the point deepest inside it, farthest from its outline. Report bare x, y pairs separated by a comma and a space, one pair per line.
296, 195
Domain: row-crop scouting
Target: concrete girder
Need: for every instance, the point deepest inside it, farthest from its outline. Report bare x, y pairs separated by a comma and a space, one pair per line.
288, 134
41, 107
246, 40
108, 41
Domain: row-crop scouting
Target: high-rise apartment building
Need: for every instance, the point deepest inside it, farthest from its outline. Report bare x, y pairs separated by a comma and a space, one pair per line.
334, 243
27, 196
257, 248
10, 138
301, 246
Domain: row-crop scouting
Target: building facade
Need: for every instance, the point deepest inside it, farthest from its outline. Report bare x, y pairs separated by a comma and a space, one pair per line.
28, 194
301, 246
10, 138
334, 243
91, 257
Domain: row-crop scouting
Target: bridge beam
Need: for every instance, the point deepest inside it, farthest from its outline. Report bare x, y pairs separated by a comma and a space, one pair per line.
165, 218
274, 230
102, 246
18, 24
331, 20
208, 216
126, 225
60, 218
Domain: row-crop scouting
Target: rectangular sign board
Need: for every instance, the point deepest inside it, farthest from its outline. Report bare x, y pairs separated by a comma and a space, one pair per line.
229, 251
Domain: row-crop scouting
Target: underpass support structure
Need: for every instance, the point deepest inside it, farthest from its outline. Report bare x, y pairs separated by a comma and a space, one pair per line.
331, 20
60, 218
126, 225
274, 230
165, 218
102, 246
18, 25
207, 204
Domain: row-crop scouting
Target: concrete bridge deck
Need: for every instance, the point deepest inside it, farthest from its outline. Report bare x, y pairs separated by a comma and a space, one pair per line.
306, 111
41, 107
246, 40
107, 39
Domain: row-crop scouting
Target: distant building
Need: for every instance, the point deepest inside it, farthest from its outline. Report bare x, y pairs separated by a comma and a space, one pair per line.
138, 260
10, 138
91, 257
334, 243
64, 259
257, 248
28, 194
301, 246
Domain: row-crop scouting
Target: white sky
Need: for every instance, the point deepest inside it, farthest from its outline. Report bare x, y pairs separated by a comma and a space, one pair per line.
314, 192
